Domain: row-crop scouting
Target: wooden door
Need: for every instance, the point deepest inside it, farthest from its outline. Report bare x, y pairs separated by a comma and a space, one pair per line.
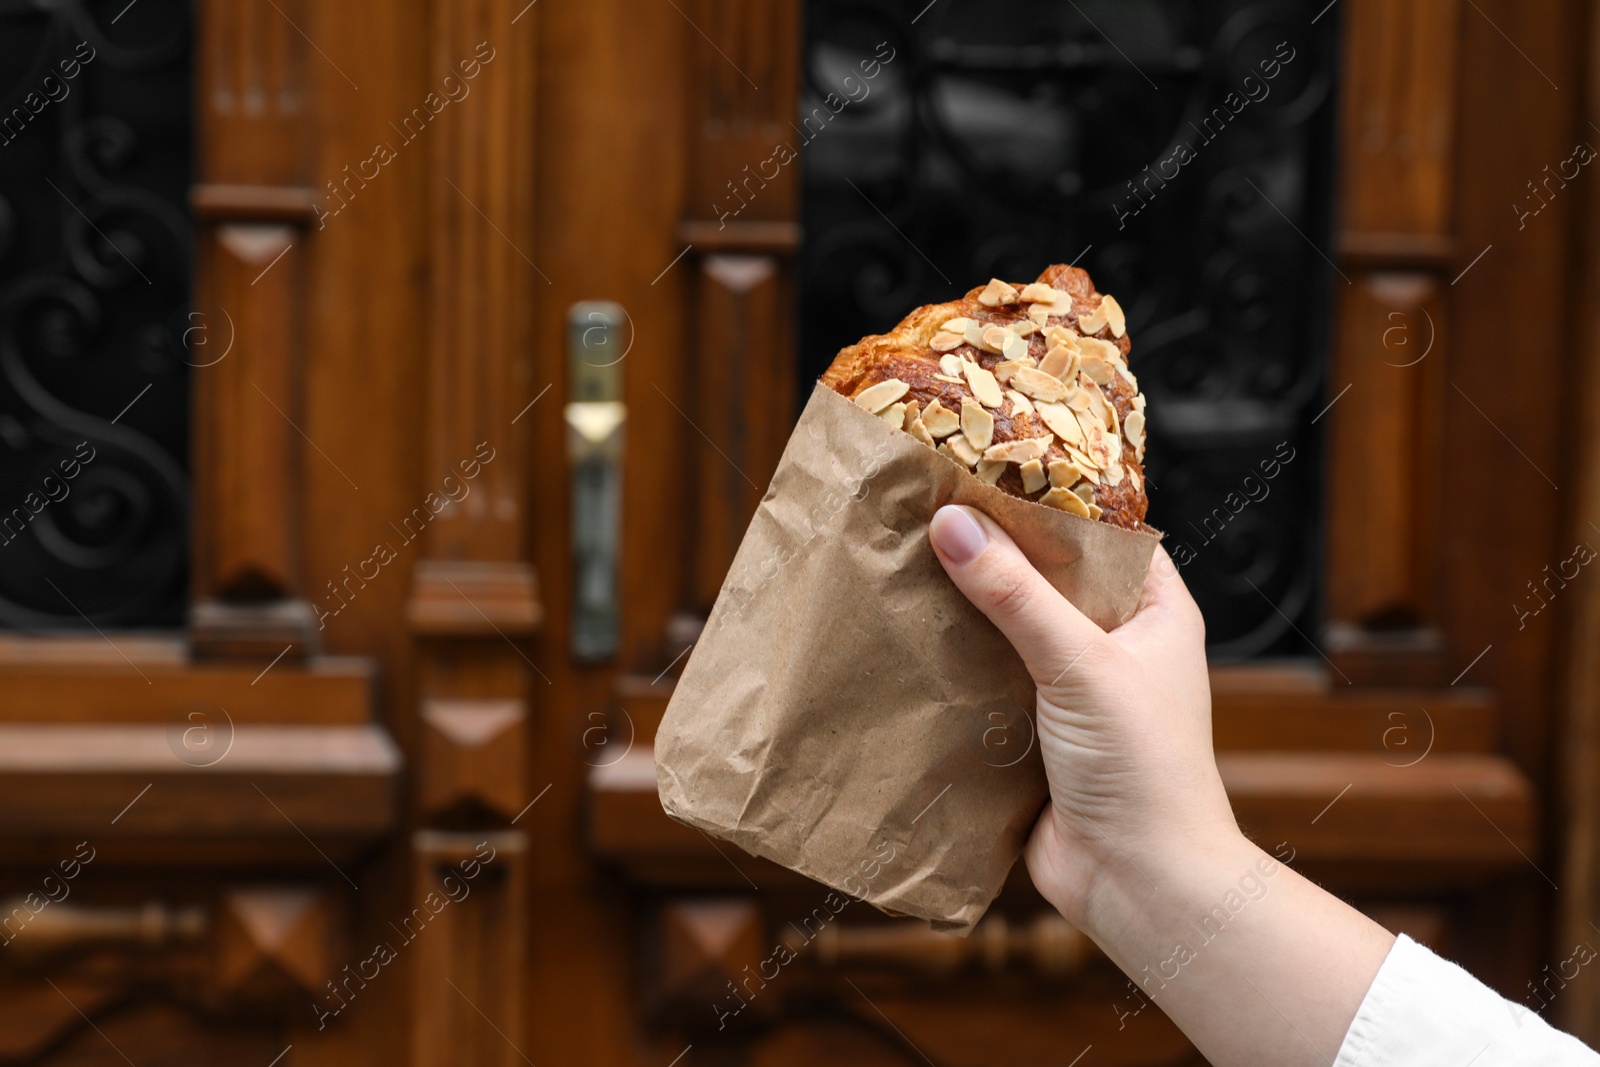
388, 796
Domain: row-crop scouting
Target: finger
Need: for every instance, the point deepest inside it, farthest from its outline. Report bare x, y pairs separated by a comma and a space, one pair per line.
1046, 630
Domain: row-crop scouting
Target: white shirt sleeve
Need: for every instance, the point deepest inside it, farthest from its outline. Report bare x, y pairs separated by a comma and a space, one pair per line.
1424, 1011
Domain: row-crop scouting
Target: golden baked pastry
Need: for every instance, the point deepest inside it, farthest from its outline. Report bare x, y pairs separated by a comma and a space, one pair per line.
1027, 386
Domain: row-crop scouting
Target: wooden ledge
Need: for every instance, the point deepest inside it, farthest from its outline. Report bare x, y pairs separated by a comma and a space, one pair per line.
1465, 814
117, 781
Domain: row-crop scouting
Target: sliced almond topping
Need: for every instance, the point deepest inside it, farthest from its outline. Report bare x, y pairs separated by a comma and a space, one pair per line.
951, 379
1024, 328
1016, 347
1114, 316
1020, 405
1061, 421
1090, 470
918, 430
1104, 349
1006, 368
1138, 482
1099, 406
1039, 314
1096, 369
1061, 362
997, 293
1099, 360
989, 472
1127, 376
1039, 385
940, 420
984, 386
1029, 448
1033, 476
974, 335
1098, 446
995, 338
1095, 511
1064, 473
875, 398
1084, 492
1065, 500
946, 342
1060, 335
977, 425
1095, 321
1082, 459
962, 450
894, 415
1138, 402
1133, 426
913, 414
1063, 304
1035, 292
1114, 473
951, 365
955, 325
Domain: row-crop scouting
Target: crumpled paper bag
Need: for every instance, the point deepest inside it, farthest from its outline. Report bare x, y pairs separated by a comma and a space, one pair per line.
846, 712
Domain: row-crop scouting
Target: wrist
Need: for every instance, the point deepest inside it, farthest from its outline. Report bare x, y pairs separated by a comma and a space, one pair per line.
1170, 883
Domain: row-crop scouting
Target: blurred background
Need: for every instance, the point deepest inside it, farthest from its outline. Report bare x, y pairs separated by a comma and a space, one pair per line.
385, 388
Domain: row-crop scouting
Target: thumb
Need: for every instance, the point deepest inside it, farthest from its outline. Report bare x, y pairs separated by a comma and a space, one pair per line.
1046, 630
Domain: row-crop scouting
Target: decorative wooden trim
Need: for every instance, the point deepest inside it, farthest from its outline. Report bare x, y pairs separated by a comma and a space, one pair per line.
772, 238
473, 752
1579, 1008
474, 599
250, 296
265, 782
256, 203
470, 967
106, 689
481, 244
458, 598
275, 945
1424, 810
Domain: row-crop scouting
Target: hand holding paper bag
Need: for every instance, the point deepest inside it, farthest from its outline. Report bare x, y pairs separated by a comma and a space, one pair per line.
847, 709
847, 712
1124, 717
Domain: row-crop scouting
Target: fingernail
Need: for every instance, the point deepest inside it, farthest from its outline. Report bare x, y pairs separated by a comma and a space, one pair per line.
957, 534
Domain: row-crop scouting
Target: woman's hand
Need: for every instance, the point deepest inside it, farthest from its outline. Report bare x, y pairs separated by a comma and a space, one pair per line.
1138, 847
1124, 718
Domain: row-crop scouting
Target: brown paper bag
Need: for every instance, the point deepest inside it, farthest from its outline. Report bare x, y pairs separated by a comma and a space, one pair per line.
846, 712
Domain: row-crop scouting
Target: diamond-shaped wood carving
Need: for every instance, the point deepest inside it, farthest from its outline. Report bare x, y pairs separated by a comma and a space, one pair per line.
473, 751
274, 943
709, 949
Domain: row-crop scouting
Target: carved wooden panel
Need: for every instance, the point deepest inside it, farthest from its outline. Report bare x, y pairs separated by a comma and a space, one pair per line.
1383, 450
1398, 139
474, 752
743, 348
247, 448
480, 201
250, 443
708, 946
466, 931
275, 943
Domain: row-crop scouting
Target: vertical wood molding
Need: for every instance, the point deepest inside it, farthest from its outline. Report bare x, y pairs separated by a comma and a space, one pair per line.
1397, 151
1398, 120
481, 249
468, 975
254, 212
1579, 1010
474, 601
741, 224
